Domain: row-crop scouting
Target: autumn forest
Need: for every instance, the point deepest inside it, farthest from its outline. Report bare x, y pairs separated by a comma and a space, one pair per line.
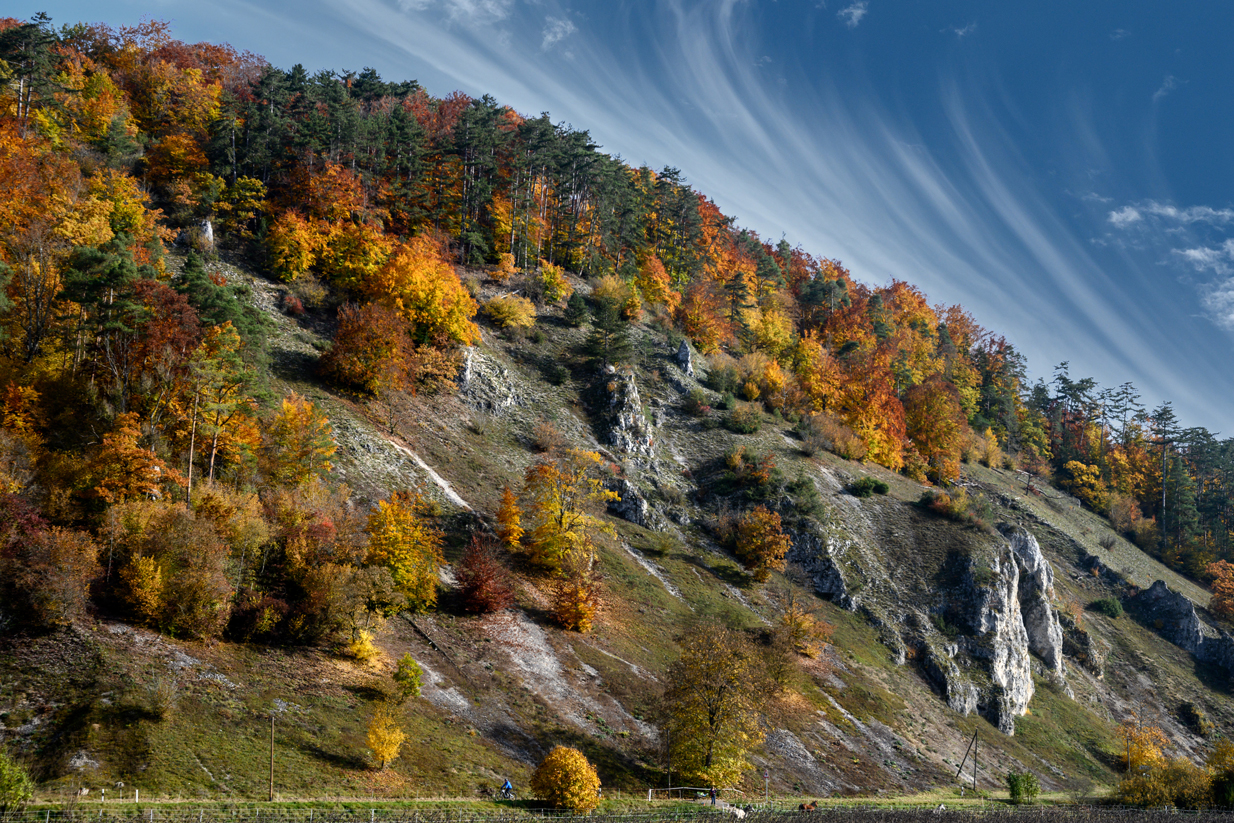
148, 470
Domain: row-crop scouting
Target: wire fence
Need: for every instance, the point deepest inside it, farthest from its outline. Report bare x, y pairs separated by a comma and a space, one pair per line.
769, 813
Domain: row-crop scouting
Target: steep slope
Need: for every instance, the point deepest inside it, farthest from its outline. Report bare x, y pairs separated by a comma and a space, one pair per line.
943, 627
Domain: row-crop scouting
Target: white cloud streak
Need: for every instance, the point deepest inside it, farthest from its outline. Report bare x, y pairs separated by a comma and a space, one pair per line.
556, 29
851, 15
1167, 85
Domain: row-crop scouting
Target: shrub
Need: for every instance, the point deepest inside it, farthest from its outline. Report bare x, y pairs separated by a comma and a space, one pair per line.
505, 268
483, 580
747, 469
1189, 784
952, 506
1147, 790
16, 789
867, 486
805, 495
361, 647
1196, 719
164, 695
745, 419
695, 403
407, 678
724, 377
567, 781
822, 432
1220, 764
511, 311
1023, 788
546, 437
576, 596
552, 282
1109, 606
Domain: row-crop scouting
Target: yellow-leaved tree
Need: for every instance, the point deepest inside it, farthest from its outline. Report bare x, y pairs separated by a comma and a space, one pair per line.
298, 443
420, 284
385, 738
563, 496
567, 780
402, 540
712, 706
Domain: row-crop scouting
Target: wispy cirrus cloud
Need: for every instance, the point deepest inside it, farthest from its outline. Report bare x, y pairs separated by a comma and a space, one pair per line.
963, 31
1197, 238
464, 11
556, 29
1169, 213
852, 15
1167, 85
1120, 34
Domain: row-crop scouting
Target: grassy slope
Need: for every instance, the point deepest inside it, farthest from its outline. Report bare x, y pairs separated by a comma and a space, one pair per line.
855, 723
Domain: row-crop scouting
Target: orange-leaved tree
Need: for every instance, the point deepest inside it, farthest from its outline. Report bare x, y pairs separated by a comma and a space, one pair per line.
419, 284
761, 542
372, 352
935, 423
509, 520
1222, 602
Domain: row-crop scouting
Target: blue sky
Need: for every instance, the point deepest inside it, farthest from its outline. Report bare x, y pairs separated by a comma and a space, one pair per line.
1063, 170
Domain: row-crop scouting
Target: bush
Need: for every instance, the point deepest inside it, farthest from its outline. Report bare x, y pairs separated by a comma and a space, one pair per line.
567, 781
1195, 719
1023, 788
822, 432
695, 403
483, 580
747, 469
16, 789
555, 373
1109, 606
511, 311
552, 282
951, 506
407, 678
546, 438
867, 486
361, 647
745, 419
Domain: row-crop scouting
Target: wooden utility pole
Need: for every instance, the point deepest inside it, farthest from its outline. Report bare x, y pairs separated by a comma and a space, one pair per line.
972, 747
271, 757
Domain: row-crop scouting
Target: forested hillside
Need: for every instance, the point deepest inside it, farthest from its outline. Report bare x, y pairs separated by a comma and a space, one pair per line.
153, 472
